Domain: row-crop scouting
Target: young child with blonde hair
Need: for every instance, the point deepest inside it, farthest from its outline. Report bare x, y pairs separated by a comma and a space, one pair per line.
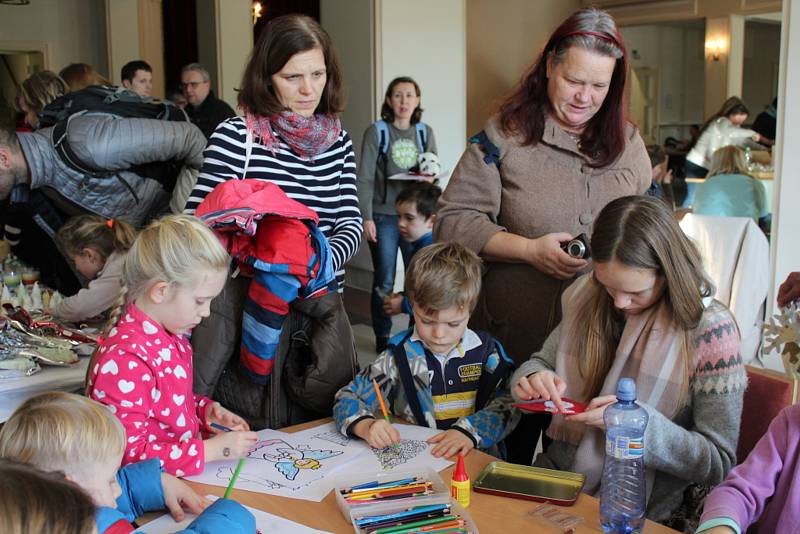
143, 369
80, 438
97, 247
438, 374
34, 501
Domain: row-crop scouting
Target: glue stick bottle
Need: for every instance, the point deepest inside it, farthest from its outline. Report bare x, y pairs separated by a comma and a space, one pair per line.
460, 485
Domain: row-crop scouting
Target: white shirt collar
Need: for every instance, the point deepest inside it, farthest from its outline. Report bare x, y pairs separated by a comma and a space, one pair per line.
469, 341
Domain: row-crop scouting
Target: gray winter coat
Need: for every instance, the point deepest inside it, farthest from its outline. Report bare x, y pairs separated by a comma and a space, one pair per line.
110, 143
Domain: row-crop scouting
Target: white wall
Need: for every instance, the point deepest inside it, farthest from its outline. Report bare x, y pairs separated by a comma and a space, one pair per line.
677, 52
503, 39
427, 41
72, 31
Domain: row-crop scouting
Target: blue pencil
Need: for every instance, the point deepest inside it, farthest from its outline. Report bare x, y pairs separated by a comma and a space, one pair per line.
220, 427
377, 484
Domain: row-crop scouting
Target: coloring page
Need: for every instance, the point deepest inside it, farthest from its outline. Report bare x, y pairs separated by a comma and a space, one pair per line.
413, 452
282, 464
265, 523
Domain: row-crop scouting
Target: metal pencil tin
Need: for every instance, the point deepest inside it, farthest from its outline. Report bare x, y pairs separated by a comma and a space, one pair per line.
531, 483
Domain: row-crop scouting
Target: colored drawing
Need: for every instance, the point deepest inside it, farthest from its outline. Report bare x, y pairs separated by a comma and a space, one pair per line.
406, 450
334, 437
289, 460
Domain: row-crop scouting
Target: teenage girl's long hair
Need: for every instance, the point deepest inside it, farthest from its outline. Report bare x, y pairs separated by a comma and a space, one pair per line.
642, 233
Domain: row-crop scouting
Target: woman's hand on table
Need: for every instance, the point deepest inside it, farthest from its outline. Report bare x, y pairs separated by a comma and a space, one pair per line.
544, 385
449, 443
179, 496
545, 253
593, 415
371, 231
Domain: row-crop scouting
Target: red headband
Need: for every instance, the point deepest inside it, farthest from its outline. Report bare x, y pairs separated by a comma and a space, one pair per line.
601, 35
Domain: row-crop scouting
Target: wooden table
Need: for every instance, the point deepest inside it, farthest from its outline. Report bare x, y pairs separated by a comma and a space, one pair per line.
492, 514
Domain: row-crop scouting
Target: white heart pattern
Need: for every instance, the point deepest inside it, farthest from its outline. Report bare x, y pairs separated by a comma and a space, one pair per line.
126, 403
192, 450
181, 420
112, 408
137, 424
178, 399
125, 386
175, 453
145, 378
180, 372
165, 412
151, 438
99, 393
186, 436
109, 367
165, 354
132, 364
156, 394
149, 328
179, 473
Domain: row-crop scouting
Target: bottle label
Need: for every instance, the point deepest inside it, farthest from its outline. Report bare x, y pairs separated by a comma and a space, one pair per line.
624, 448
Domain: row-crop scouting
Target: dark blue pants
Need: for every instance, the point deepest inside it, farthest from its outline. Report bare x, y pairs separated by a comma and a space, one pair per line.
384, 261
693, 170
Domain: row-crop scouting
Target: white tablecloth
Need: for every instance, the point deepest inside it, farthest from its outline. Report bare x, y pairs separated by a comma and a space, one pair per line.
14, 392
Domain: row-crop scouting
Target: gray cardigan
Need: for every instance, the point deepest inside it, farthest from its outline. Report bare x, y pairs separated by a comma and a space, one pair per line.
698, 446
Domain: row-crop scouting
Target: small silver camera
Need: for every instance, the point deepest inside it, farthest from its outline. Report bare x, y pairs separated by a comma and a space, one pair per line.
578, 247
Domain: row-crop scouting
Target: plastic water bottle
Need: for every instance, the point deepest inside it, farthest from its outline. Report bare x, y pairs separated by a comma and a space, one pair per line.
622, 491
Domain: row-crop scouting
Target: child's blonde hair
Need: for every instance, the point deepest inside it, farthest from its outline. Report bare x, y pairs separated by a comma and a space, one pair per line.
58, 431
444, 275
172, 249
105, 236
34, 501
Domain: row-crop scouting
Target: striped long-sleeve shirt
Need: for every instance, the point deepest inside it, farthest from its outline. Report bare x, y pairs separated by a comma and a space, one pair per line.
326, 184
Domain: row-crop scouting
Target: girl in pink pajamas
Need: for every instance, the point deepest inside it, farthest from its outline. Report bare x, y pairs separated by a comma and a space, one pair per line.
143, 369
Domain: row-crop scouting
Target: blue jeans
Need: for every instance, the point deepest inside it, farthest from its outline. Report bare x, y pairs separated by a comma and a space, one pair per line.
384, 261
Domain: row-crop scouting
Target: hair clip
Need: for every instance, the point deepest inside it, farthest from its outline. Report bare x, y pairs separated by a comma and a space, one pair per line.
110, 223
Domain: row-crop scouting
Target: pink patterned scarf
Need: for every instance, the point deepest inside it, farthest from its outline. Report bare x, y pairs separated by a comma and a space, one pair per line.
307, 136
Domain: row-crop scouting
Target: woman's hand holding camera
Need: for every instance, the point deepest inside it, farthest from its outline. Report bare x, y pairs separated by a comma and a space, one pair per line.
546, 254
542, 385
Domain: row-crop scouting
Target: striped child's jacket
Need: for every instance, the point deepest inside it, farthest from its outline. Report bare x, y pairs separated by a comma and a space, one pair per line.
468, 393
276, 241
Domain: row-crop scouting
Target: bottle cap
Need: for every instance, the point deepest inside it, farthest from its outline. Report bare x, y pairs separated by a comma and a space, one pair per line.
460, 472
626, 389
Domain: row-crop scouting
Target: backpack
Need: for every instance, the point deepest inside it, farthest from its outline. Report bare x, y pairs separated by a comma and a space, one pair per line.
383, 146
110, 100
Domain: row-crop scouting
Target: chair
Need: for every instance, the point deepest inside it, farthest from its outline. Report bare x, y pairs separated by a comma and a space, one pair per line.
736, 257
768, 392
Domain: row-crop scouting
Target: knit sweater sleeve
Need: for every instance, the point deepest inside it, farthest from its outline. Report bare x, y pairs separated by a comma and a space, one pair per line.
346, 233
470, 205
367, 166
750, 486
704, 450
544, 360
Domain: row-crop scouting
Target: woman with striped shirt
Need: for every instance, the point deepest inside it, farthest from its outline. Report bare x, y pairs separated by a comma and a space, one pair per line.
290, 135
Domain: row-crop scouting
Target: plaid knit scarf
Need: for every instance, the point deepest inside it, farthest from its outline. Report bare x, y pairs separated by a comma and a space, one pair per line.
307, 136
650, 351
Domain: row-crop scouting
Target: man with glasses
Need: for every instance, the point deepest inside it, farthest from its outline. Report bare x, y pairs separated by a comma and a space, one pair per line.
204, 108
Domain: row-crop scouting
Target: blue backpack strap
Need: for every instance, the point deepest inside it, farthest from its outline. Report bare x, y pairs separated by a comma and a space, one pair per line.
490, 149
407, 379
383, 136
422, 136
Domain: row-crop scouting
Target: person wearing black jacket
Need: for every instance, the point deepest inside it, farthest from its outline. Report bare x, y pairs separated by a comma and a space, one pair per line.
204, 108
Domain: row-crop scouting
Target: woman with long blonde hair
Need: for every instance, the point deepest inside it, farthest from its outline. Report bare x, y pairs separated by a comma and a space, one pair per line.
643, 313
730, 190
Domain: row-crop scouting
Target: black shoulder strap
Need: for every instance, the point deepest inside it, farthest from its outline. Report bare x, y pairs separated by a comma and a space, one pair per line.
488, 382
407, 379
491, 151
67, 155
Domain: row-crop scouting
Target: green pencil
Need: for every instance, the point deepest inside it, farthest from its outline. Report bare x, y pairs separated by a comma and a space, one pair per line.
233, 478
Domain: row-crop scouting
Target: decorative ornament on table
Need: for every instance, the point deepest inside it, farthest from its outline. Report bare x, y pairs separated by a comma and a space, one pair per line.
427, 164
782, 334
36, 297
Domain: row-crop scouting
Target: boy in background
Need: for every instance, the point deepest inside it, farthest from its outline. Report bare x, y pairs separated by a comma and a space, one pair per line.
438, 374
416, 207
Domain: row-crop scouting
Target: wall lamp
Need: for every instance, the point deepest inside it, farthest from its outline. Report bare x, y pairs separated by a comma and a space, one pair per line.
715, 48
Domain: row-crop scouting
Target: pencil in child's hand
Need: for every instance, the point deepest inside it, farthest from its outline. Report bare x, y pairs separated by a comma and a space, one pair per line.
233, 478
380, 400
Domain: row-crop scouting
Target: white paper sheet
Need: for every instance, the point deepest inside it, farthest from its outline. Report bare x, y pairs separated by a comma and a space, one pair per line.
265, 523
286, 465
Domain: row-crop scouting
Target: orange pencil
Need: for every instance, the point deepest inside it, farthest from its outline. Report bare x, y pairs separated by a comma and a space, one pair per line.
380, 399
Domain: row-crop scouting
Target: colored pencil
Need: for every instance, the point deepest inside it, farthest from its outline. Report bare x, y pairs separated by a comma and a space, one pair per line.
378, 484
380, 400
410, 527
220, 427
373, 527
402, 513
233, 478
